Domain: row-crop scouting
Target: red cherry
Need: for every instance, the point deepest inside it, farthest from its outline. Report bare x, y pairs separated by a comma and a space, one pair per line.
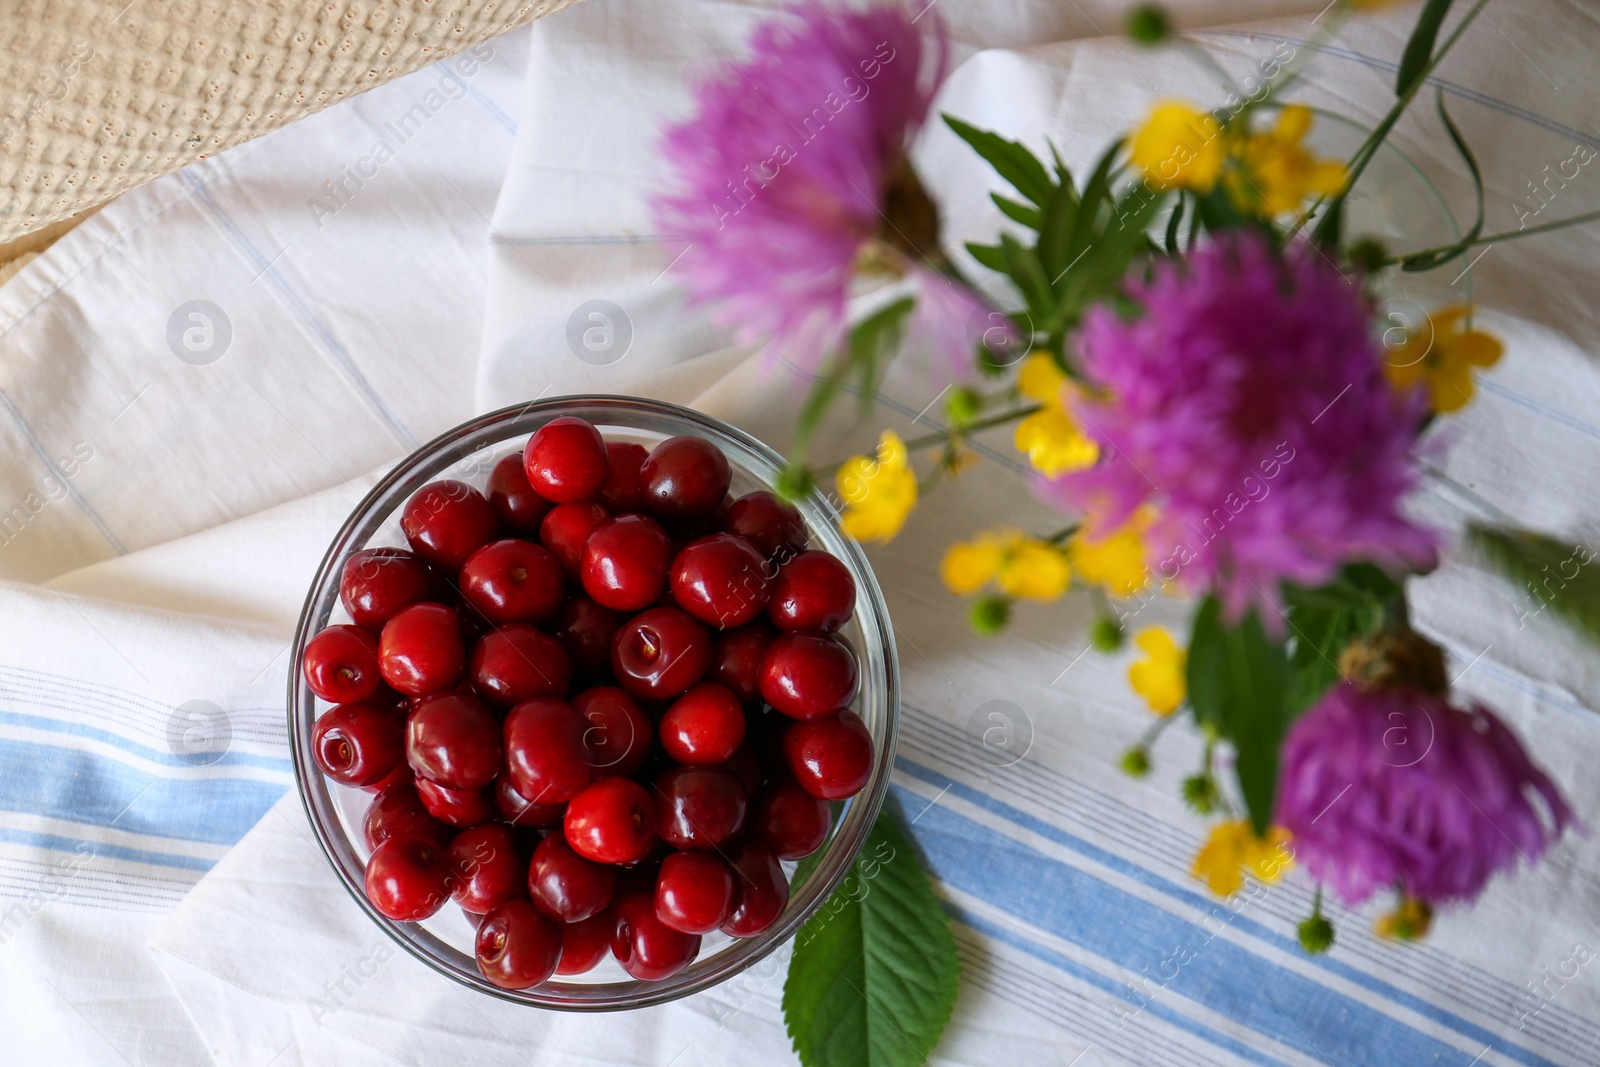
458, 807
517, 662
565, 530
685, 479
694, 892
564, 885
648, 948
806, 676
584, 944
704, 726
487, 868
736, 657
813, 591
453, 739
341, 664
398, 812
612, 821
446, 522
789, 820
518, 810
420, 650
625, 562
623, 489
831, 758
698, 807
516, 946
720, 580
513, 581
545, 753
377, 582
408, 878
566, 460
660, 653
516, 505
586, 630
761, 892
619, 734
358, 744
773, 526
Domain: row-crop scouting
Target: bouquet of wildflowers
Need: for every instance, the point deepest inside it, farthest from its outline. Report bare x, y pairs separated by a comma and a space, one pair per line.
1192, 357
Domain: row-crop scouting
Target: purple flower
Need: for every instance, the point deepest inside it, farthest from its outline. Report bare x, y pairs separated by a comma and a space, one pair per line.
790, 170
1390, 787
1244, 399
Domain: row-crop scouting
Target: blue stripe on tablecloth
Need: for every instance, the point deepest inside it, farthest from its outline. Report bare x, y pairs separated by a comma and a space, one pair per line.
995, 932
1323, 996
76, 786
153, 755
60, 843
1069, 903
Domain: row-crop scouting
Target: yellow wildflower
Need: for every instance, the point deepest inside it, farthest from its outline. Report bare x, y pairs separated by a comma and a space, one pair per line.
1276, 173
879, 492
1232, 848
1114, 562
1441, 355
1179, 146
1051, 437
1034, 570
1159, 677
968, 566
1409, 921
1022, 566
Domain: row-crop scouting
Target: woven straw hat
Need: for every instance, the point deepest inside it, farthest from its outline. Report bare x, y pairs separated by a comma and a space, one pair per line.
103, 95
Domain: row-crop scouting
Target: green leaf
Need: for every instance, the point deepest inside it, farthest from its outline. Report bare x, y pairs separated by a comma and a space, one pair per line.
988, 255
870, 340
1238, 681
873, 978
1095, 193
1010, 160
1173, 222
1016, 212
1320, 635
1554, 573
1419, 49
1430, 260
1023, 268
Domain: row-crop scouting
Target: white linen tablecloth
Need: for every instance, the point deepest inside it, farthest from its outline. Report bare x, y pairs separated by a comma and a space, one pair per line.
163, 901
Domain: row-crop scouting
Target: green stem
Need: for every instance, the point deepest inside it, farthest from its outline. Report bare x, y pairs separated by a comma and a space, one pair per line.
942, 436
1369, 147
1061, 534
1496, 238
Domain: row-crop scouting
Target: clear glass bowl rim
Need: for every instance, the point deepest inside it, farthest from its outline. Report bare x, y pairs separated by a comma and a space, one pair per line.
851, 828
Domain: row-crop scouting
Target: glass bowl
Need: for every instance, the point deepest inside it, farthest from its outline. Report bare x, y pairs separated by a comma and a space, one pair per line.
469, 452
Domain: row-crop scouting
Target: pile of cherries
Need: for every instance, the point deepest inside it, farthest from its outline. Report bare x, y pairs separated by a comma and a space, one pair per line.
597, 705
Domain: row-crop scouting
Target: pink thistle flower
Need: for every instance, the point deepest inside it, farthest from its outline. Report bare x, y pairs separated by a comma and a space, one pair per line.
1245, 401
793, 183
1390, 787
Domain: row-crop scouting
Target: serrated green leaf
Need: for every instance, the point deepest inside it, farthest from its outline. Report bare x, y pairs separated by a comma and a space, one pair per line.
1023, 268
1238, 681
988, 255
1029, 217
1419, 49
1096, 193
1553, 573
873, 977
1010, 160
1320, 635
